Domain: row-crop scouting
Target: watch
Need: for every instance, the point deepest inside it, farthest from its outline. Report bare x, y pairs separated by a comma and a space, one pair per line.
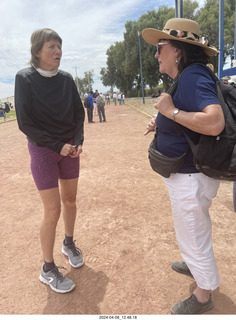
176, 111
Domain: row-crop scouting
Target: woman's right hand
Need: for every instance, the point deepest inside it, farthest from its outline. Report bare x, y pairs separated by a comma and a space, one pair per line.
151, 126
67, 149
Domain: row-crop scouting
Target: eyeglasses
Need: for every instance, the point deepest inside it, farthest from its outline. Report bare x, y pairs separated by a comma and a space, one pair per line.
159, 46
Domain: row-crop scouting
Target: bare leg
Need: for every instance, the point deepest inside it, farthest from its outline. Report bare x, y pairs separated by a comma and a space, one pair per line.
52, 209
68, 197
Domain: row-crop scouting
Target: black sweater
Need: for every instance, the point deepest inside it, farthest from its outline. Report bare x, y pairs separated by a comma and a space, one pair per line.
49, 110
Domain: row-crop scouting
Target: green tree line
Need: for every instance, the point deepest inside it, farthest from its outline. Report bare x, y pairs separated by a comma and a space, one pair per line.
123, 61
85, 84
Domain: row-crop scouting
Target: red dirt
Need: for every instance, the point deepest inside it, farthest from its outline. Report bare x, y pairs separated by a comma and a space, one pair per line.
124, 228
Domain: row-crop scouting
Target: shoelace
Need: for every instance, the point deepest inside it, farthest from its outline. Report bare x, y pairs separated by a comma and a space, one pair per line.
57, 273
75, 251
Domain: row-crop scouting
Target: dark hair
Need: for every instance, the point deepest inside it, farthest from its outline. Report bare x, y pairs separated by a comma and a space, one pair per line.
189, 54
38, 38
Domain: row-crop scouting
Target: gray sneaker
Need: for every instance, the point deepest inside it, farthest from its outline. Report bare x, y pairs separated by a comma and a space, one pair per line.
74, 254
181, 267
191, 306
55, 279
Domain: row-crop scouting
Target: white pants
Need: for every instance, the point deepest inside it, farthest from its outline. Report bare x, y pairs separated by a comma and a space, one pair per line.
191, 197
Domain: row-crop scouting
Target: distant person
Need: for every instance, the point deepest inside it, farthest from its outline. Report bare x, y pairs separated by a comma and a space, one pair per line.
108, 99
90, 109
3, 113
50, 113
95, 95
114, 97
119, 98
7, 107
123, 98
225, 79
101, 108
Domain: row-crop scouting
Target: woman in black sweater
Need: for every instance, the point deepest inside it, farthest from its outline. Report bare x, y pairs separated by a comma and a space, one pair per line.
50, 113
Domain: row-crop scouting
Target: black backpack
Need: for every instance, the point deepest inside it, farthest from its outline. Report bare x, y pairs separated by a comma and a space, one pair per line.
86, 103
215, 156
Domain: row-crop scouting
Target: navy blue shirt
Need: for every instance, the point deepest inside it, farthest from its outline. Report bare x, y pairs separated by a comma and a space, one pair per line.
195, 91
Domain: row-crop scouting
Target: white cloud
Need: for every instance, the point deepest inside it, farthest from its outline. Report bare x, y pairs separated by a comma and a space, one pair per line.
88, 29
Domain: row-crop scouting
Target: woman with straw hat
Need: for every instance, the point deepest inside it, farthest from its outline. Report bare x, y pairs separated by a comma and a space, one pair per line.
195, 106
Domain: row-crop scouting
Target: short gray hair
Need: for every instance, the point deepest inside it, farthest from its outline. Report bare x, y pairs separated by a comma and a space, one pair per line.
38, 38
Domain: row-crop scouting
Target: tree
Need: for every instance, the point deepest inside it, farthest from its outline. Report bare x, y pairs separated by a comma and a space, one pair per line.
189, 9
114, 75
123, 64
208, 19
85, 84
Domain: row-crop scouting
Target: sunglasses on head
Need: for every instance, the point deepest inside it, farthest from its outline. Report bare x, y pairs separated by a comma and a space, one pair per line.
159, 45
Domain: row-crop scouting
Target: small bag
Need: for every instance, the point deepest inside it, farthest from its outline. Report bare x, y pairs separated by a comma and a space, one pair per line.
163, 164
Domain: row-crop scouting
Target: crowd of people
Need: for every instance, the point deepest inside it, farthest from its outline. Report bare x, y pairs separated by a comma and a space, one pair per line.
5, 107
120, 97
97, 102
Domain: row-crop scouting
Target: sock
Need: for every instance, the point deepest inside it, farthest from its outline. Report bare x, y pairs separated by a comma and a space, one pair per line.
48, 266
68, 240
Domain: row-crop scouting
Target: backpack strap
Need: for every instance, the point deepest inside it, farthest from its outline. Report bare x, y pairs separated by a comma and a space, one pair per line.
174, 85
172, 90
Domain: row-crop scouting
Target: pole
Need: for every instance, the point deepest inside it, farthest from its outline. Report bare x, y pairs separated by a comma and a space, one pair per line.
179, 8
141, 67
221, 38
76, 78
176, 9
235, 32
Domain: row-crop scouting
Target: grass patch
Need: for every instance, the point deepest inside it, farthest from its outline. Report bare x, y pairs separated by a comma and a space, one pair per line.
11, 114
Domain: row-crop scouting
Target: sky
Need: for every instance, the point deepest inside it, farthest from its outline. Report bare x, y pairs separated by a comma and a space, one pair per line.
87, 27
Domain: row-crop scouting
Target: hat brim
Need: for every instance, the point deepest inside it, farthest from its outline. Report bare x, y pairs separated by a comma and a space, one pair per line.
153, 36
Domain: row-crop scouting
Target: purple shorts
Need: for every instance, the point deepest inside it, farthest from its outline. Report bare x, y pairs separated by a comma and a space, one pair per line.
48, 166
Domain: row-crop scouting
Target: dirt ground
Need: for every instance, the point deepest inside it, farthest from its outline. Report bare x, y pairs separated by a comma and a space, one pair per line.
124, 228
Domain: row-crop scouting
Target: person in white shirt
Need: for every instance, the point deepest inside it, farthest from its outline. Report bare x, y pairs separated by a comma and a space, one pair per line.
114, 98
123, 98
108, 99
119, 98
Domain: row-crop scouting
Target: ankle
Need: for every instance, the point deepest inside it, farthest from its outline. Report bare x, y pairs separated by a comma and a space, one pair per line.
202, 295
48, 266
68, 240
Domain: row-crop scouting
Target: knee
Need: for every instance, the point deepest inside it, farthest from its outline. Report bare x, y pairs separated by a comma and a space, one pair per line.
69, 202
52, 215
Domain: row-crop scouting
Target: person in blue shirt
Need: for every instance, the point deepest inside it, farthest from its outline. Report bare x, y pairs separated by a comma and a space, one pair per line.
196, 108
90, 110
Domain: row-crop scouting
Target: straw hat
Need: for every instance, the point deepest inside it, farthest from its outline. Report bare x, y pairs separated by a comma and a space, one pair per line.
184, 30
226, 78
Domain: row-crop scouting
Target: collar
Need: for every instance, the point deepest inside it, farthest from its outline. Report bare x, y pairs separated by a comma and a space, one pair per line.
46, 73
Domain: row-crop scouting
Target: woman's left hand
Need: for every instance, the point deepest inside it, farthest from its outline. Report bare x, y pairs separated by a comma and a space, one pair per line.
165, 105
77, 151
